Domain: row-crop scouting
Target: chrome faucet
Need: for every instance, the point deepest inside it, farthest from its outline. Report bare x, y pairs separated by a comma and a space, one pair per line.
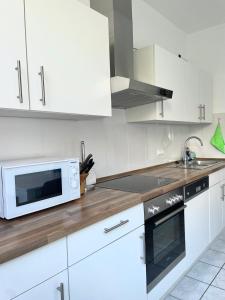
186, 149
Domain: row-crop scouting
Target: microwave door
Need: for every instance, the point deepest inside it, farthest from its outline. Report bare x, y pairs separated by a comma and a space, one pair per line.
38, 186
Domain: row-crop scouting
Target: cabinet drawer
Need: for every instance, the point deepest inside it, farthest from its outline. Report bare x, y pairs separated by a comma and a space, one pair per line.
54, 288
90, 239
29, 270
216, 177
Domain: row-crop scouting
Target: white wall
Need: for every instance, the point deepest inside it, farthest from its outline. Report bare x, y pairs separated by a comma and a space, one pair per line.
150, 27
207, 49
116, 145
87, 2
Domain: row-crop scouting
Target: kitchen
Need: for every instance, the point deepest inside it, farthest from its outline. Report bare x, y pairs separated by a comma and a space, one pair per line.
119, 144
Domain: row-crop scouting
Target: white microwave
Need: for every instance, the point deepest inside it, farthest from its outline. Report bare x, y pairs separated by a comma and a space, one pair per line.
31, 185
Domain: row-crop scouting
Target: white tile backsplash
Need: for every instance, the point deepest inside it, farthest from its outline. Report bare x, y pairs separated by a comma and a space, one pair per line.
116, 145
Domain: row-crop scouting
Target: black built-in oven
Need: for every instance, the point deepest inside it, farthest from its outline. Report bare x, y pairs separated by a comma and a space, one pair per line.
164, 235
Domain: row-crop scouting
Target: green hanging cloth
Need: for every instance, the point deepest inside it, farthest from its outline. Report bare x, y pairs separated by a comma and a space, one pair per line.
217, 140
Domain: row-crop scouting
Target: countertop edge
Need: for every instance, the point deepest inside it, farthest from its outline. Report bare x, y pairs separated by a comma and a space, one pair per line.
118, 202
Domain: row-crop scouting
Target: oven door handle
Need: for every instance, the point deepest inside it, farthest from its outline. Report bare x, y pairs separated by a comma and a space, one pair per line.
170, 215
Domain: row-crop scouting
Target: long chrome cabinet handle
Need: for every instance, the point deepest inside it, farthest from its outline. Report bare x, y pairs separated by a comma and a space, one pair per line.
162, 109
200, 112
144, 253
60, 288
107, 230
18, 69
170, 215
203, 107
42, 74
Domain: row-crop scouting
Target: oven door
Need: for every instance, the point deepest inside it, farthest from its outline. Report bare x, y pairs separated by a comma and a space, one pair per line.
31, 188
165, 243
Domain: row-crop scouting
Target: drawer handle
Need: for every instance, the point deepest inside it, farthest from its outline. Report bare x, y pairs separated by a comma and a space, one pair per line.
107, 230
60, 288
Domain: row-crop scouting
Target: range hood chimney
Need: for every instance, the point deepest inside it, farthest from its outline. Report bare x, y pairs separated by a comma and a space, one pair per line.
126, 91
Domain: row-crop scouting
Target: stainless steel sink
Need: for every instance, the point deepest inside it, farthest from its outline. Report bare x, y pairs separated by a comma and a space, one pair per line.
197, 164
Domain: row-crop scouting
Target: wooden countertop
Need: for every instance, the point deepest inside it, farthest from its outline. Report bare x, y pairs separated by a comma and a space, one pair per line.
30, 232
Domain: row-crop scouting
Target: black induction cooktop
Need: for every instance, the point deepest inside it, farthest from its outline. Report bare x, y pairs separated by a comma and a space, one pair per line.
136, 183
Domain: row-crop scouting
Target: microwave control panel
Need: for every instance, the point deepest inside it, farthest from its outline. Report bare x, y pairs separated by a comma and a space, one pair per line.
74, 176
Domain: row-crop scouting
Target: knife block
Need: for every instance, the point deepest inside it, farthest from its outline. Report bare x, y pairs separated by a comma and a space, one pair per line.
83, 183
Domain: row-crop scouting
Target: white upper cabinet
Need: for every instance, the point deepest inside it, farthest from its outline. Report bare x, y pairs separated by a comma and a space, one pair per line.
168, 73
205, 96
159, 67
14, 87
190, 103
68, 58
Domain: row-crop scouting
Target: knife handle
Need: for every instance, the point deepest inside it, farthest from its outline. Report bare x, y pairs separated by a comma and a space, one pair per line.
89, 167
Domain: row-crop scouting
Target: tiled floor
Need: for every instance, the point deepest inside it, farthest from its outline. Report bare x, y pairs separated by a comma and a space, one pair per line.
206, 279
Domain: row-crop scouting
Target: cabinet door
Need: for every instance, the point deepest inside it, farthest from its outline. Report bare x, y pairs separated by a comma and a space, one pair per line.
191, 93
216, 210
182, 77
70, 41
196, 226
114, 273
169, 73
13, 50
24, 272
205, 95
56, 288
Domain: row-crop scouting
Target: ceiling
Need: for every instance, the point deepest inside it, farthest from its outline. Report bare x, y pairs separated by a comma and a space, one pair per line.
191, 15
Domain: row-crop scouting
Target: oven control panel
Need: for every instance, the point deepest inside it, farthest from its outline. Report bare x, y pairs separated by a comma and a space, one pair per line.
195, 188
174, 199
157, 205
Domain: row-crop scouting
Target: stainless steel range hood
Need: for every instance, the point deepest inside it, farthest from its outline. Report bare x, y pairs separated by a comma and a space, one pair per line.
126, 91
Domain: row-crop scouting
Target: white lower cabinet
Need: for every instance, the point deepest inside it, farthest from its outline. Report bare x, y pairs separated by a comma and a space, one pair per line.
216, 209
105, 261
27, 271
92, 238
116, 272
56, 288
197, 226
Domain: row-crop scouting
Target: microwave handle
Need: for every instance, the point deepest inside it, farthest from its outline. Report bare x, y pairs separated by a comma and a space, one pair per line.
172, 214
